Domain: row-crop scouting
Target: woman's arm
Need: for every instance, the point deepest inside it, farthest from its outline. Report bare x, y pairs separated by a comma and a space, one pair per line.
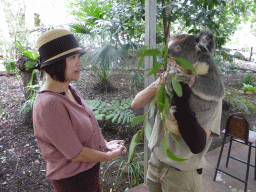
144, 97
91, 155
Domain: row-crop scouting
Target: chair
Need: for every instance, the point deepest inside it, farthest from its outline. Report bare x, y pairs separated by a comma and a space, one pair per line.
237, 126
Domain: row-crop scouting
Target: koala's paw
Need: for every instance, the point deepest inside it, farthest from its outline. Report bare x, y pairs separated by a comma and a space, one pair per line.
173, 109
183, 78
168, 85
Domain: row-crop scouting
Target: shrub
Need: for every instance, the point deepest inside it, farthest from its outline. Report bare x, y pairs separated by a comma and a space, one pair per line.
249, 79
10, 65
134, 170
239, 103
115, 112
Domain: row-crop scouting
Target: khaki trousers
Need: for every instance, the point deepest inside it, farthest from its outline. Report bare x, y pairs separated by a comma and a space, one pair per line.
163, 178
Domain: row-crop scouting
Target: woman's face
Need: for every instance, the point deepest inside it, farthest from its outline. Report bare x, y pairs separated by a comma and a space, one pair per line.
73, 64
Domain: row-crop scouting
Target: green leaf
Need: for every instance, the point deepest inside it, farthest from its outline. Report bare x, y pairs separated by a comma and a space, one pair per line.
167, 106
161, 98
148, 130
137, 120
115, 117
30, 64
100, 117
164, 145
149, 52
140, 62
152, 110
176, 86
174, 157
154, 70
32, 76
143, 49
134, 142
185, 63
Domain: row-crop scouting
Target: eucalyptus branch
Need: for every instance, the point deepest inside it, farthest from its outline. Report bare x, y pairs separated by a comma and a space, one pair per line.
162, 99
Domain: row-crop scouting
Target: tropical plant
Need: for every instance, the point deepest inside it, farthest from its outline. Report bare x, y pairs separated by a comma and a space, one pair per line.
10, 64
116, 111
133, 169
105, 63
249, 79
33, 89
238, 102
248, 88
32, 62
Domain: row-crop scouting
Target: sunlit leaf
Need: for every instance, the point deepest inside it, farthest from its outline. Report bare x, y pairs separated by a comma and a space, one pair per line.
137, 120
176, 86
174, 157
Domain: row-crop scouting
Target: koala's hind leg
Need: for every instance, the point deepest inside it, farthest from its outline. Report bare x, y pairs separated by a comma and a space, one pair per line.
171, 122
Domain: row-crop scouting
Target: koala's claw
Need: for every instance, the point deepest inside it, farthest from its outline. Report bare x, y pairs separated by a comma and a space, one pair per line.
183, 78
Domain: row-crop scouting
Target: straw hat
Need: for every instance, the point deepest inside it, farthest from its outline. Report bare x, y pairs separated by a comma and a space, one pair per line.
55, 45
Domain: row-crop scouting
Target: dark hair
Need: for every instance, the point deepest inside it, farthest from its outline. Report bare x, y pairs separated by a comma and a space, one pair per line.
57, 70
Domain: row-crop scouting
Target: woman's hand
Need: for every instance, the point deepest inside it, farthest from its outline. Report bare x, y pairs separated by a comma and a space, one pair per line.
145, 96
115, 144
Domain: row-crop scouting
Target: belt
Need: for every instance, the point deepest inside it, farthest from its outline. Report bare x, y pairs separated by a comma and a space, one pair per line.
199, 171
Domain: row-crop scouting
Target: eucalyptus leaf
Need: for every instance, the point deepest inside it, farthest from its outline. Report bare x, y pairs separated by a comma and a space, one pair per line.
143, 49
185, 63
148, 130
149, 52
137, 120
164, 145
167, 106
134, 142
161, 98
176, 86
174, 157
155, 69
152, 110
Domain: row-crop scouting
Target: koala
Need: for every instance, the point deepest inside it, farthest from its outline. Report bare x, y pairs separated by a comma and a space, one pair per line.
208, 89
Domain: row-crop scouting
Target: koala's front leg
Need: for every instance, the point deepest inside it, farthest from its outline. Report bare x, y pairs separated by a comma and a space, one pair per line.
183, 78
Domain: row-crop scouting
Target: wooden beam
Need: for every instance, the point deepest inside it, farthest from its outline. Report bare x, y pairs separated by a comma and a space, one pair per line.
150, 41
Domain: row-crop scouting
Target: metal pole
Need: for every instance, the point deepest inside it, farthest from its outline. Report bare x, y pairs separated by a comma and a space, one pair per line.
150, 41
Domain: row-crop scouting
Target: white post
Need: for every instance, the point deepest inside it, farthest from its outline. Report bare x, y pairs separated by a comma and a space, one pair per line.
150, 41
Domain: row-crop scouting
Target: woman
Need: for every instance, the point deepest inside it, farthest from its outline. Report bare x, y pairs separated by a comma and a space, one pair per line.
65, 128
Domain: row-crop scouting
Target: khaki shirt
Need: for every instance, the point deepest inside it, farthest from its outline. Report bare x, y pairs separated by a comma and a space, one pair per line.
208, 115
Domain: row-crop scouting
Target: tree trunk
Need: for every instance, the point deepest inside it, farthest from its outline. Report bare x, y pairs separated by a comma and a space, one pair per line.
26, 76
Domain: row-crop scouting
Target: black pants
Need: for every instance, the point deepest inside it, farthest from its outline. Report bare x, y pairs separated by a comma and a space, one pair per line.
87, 181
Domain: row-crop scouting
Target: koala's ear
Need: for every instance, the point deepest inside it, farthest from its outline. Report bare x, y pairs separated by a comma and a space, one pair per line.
205, 42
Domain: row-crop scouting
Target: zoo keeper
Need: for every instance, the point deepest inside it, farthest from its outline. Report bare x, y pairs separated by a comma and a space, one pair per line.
165, 174
64, 126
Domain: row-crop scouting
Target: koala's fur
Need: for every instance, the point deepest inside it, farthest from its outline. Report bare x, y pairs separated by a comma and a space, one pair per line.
208, 88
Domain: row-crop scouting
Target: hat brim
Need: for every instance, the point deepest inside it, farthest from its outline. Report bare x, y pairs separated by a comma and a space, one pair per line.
81, 52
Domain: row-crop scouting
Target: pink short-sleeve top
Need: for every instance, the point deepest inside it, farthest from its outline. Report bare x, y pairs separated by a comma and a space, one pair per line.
62, 129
